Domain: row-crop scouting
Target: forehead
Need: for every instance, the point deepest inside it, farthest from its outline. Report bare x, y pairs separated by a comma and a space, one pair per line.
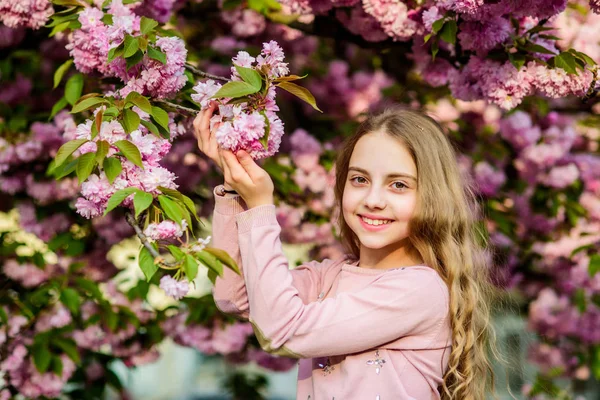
380, 153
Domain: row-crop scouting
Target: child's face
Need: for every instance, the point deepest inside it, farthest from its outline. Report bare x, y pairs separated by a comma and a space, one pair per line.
381, 186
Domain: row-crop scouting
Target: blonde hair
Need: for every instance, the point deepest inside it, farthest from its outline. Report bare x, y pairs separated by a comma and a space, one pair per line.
444, 231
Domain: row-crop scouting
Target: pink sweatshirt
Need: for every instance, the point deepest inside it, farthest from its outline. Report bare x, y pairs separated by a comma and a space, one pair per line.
359, 333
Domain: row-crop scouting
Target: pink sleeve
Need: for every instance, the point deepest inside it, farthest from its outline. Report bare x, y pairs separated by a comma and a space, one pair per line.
397, 304
229, 291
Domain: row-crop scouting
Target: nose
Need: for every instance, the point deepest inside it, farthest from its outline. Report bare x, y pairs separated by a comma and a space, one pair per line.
375, 199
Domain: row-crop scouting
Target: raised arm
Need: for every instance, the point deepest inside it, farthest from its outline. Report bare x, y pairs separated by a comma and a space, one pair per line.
399, 303
229, 291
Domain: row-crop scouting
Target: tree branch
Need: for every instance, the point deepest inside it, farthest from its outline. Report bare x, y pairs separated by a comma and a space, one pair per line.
203, 74
178, 107
138, 231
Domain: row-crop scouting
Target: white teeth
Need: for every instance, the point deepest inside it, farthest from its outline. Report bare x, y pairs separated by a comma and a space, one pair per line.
375, 222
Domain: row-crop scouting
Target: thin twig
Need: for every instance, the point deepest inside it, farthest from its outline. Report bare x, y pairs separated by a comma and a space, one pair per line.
203, 74
178, 107
138, 231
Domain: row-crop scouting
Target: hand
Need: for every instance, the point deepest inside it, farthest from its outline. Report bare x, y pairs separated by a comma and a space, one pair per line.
250, 181
207, 142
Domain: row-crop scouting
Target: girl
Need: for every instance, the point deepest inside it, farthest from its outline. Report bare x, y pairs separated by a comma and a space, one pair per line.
405, 315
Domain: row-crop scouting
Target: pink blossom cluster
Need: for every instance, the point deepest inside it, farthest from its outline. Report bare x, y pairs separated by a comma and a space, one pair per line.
89, 47
578, 30
349, 94
96, 190
160, 10
24, 376
394, 17
10, 36
317, 197
13, 93
26, 274
243, 126
244, 22
28, 13
46, 228
504, 85
176, 289
156, 79
221, 338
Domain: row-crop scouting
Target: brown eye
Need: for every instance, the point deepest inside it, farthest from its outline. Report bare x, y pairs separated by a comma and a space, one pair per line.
358, 179
399, 185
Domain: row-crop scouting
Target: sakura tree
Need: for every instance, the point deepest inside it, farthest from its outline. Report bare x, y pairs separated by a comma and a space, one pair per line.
96, 105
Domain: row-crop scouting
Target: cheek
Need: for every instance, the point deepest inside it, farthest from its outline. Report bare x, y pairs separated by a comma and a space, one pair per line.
349, 201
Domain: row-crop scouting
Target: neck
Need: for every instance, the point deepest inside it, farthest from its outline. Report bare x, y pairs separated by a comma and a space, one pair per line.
387, 258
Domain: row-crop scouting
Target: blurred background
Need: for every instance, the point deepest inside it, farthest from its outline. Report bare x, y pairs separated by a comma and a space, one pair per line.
514, 86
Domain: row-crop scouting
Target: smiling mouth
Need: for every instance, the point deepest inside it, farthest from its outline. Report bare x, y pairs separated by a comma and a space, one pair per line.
375, 222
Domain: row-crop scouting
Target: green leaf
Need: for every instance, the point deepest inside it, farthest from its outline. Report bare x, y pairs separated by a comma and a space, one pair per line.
582, 56
86, 104
156, 54
594, 265
130, 151
112, 168
89, 286
536, 48
73, 88
565, 61
435, 47
118, 197
115, 52
141, 201
211, 262
300, 92
151, 127
131, 46
102, 150
289, 78
190, 267
68, 346
250, 76
60, 72
235, 89
3, 316
147, 24
189, 204
448, 32
59, 105
65, 169
229, 5
147, 264
177, 252
224, 257
160, 116
107, 19
70, 298
580, 300
131, 120
140, 101
265, 139
438, 25
41, 357
517, 59
111, 111
170, 208
134, 59
85, 165
67, 149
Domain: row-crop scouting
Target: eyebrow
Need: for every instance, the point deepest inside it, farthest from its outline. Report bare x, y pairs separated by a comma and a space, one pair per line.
394, 175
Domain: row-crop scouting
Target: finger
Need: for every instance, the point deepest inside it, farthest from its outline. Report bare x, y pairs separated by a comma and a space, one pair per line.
226, 170
249, 165
204, 124
238, 173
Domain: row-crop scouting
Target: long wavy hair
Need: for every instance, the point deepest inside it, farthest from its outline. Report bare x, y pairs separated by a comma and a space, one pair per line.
444, 230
